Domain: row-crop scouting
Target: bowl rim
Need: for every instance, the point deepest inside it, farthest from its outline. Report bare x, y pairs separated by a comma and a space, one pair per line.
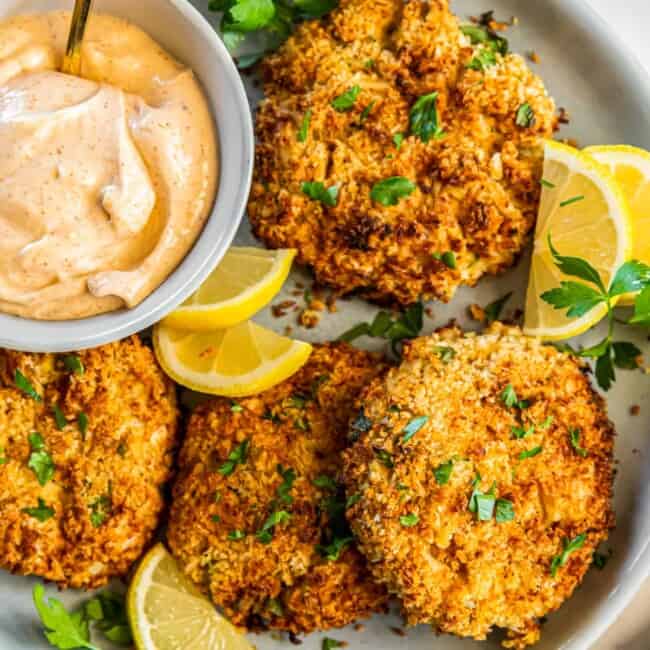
32, 335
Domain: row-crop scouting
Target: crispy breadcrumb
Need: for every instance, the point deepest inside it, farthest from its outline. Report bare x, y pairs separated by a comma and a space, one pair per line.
292, 435
100, 502
504, 415
477, 185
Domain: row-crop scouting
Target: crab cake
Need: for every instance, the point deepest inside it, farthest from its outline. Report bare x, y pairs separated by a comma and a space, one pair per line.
427, 141
483, 479
258, 515
86, 443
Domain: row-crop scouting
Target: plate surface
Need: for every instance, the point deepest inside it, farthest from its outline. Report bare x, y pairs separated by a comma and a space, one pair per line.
608, 96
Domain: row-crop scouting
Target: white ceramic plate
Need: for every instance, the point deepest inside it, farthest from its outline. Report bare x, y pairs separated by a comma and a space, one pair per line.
589, 72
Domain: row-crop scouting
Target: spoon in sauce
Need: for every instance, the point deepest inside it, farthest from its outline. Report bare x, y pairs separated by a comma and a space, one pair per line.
72, 59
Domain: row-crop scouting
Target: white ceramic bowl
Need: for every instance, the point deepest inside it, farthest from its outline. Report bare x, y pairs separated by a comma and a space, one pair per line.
180, 29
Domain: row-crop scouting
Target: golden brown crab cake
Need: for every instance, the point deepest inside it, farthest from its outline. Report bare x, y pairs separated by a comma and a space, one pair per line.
258, 514
476, 181
86, 444
483, 479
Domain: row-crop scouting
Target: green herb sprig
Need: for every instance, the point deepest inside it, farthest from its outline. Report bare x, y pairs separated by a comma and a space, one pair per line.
579, 298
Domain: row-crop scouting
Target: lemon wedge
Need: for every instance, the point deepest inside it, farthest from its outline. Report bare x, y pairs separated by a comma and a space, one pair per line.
585, 212
167, 612
242, 360
246, 280
631, 168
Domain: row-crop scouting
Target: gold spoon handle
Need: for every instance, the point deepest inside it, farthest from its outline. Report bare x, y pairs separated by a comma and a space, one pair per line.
72, 59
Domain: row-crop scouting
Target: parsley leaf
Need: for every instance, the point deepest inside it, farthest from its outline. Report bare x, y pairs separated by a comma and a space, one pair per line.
332, 551
569, 547
423, 118
481, 504
311, 9
236, 535
626, 355
288, 478
303, 132
576, 267
398, 139
26, 386
366, 112
442, 473
494, 309
483, 59
236, 408
325, 483
600, 560
413, 427
448, 259
100, 509
630, 278
3, 459
504, 511
42, 512
62, 630
74, 364
265, 534
481, 35
444, 353
82, 424
410, 520
108, 612
531, 453
389, 191
384, 458
317, 191
330, 644
577, 297
605, 374
525, 116
236, 457
510, 399
520, 432
248, 15
346, 101
40, 460
59, 418
574, 437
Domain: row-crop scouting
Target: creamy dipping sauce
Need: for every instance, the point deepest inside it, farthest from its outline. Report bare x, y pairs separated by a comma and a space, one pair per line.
105, 181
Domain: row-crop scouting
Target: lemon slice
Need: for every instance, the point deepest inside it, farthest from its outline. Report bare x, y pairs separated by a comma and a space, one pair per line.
584, 211
243, 360
246, 280
631, 168
167, 612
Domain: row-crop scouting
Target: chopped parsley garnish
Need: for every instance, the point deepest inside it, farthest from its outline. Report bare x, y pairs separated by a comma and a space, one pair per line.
100, 509
520, 433
236, 457
546, 424
40, 460
42, 512
302, 424
236, 535
494, 309
390, 190
531, 453
525, 116
122, 449
108, 612
215, 518
352, 500
3, 459
504, 511
384, 458
336, 536
330, 644
410, 520
547, 184
59, 418
325, 483
572, 200
442, 473
483, 59
82, 424
510, 399
490, 44
481, 503
406, 326
236, 408
569, 547
370, 63
297, 401
346, 101
332, 551
574, 436
74, 364
316, 191
26, 386
265, 533
288, 478
448, 259
398, 139
359, 425
274, 606
423, 118
303, 132
599, 560
444, 353
366, 112
413, 427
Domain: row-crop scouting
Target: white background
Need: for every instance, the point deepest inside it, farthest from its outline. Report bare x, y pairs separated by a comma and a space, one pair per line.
631, 19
